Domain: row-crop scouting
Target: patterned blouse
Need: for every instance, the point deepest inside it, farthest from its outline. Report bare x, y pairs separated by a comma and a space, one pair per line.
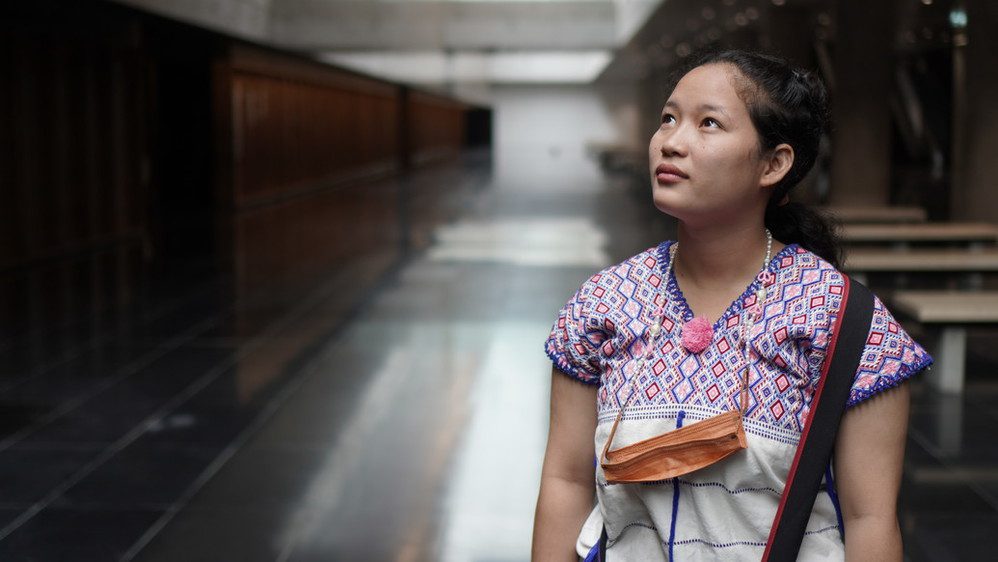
724, 510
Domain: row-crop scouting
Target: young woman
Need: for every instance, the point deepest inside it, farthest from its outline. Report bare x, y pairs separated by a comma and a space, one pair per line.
748, 291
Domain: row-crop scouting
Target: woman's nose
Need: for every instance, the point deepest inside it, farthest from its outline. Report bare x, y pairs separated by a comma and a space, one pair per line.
671, 142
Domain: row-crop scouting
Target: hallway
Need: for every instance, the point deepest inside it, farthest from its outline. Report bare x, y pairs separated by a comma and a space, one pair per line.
412, 431
423, 422
423, 416
276, 275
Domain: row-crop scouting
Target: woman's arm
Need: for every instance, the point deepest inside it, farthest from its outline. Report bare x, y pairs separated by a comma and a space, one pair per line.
869, 457
567, 479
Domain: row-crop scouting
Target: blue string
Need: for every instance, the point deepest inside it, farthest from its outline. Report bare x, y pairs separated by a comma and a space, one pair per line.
833, 494
675, 494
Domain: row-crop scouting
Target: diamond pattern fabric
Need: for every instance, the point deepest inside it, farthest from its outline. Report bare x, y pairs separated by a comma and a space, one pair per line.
601, 332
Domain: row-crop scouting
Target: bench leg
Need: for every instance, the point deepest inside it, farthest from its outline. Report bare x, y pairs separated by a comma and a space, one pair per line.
947, 372
949, 423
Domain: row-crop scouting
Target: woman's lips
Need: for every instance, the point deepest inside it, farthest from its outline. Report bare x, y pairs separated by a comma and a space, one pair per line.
667, 173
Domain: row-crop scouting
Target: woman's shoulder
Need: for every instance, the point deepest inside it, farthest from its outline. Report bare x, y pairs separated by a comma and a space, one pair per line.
796, 264
638, 268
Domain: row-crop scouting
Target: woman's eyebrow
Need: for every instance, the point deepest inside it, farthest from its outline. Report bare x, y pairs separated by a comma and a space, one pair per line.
701, 107
711, 107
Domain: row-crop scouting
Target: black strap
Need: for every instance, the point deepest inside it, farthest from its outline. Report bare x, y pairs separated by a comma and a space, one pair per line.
818, 438
602, 545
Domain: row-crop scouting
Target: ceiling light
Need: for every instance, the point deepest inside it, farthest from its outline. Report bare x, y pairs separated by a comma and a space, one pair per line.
958, 18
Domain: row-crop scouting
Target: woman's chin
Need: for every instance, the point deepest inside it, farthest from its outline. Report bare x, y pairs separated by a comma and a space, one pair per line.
667, 204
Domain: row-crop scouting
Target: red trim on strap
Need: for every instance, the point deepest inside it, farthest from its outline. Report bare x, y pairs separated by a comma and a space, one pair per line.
810, 417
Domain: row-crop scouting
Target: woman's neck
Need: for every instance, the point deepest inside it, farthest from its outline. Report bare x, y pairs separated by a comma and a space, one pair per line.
721, 256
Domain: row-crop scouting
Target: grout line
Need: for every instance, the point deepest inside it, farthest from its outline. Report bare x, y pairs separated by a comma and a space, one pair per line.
216, 465
77, 350
115, 448
189, 392
268, 411
136, 366
125, 372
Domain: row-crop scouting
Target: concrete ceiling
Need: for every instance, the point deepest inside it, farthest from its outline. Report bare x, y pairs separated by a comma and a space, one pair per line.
461, 44
324, 25
432, 42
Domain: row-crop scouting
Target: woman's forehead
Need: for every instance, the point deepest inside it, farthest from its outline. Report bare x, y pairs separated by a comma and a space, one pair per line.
710, 87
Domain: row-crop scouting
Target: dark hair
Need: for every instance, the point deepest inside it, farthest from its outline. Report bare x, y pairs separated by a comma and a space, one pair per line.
786, 105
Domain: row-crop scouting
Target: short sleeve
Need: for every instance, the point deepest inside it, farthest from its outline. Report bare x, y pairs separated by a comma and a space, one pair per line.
573, 344
889, 358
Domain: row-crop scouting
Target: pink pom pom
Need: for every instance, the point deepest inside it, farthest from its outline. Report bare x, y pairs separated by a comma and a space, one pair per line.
697, 334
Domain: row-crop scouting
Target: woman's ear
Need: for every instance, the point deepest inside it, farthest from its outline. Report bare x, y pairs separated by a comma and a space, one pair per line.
776, 165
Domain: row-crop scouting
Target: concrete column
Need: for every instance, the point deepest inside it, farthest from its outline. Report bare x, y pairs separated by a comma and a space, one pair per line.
975, 114
861, 124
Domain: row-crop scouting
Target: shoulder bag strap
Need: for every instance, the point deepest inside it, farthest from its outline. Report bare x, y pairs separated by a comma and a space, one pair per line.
848, 338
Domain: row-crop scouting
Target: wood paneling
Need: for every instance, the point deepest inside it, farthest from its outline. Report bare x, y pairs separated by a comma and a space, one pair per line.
102, 153
74, 142
435, 127
287, 245
73, 150
309, 162
294, 128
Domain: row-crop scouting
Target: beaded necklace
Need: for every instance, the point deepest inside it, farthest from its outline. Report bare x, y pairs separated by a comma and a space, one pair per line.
700, 330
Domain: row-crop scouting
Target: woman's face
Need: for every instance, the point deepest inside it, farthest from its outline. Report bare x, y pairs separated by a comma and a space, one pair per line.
704, 157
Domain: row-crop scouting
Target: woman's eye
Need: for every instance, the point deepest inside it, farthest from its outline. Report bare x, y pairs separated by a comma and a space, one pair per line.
668, 118
711, 122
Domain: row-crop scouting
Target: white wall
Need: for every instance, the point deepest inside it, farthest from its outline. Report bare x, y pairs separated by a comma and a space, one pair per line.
543, 131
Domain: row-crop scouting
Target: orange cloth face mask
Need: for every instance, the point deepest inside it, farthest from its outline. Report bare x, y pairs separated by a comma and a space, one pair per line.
674, 453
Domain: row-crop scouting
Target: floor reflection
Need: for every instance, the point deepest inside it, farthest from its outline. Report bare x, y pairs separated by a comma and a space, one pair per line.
527, 241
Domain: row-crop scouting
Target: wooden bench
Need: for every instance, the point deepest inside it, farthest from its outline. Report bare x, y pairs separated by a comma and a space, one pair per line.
950, 313
904, 234
969, 264
921, 260
875, 214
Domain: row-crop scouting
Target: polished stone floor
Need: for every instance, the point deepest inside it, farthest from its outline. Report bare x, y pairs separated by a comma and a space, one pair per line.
406, 426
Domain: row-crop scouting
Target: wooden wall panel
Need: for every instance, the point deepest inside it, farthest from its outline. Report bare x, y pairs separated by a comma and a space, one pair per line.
76, 116
288, 245
104, 134
309, 164
295, 129
436, 127
73, 120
